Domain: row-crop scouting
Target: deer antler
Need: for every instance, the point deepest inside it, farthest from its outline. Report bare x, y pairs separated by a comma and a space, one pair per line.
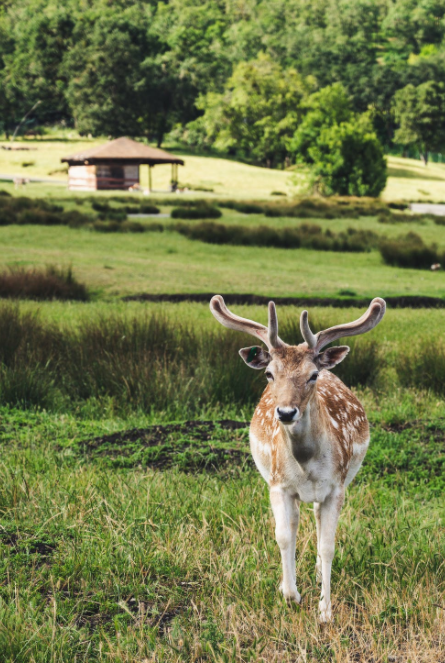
365, 323
268, 335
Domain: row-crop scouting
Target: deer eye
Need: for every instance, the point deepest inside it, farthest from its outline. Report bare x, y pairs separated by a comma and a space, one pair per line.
313, 377
269, 376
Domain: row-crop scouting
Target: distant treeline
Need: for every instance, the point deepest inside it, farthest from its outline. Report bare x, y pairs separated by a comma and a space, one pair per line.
241, 76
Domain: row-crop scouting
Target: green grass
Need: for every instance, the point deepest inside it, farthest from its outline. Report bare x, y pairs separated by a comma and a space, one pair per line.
166, 262
159, 546
104, 562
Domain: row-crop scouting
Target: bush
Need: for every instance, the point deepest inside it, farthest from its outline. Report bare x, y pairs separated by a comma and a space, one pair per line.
4, 193
39, 217
317, 208
399, 206
349, 161
132, 227
409, 251
41, 284
244, 208
200, 212
107, 226
303, 236
394, 217
100, 206
145, 208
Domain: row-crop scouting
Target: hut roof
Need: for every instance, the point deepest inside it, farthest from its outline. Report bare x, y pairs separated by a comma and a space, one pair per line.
123, 150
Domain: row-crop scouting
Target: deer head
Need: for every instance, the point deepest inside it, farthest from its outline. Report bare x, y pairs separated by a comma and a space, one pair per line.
292, 370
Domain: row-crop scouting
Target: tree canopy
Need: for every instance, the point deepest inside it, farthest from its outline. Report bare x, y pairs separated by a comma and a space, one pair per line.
420, 112
243, 74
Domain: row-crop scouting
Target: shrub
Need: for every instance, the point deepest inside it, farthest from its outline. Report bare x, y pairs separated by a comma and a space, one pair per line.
349, 160
146, 208
112, 215
40, 217
107, 226
244, 208
303, 236
132, 227
397, 205
409, 251
4, 193
75, 219
200, 212
394, 217
41, 284
143, 208
100, 206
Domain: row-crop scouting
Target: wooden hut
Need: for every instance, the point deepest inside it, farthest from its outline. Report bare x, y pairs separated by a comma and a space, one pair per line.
115, 165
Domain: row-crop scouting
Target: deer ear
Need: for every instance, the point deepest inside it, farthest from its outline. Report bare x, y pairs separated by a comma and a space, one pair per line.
332, 356
255, 357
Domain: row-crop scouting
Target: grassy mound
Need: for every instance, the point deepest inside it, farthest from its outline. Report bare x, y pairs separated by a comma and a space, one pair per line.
410, 251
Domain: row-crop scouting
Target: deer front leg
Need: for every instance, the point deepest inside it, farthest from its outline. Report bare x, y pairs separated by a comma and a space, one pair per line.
287, 515
329, 512
318, 526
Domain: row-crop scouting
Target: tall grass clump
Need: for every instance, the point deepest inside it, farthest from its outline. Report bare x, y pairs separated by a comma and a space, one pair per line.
309, 236
423, 366
146, 363
42, 284
409, 251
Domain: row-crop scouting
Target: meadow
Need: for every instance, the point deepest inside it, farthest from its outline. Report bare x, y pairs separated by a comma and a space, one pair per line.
408, 179
133, 525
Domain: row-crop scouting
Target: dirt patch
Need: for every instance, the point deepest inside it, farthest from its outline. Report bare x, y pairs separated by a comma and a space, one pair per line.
434, 429
18, 544
409, 301
190, 446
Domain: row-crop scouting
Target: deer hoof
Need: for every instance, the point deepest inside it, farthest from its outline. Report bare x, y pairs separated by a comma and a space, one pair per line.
291, 594
325, 613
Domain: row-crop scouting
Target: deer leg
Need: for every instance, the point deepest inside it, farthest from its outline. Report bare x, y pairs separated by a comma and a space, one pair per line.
329, 514
287, 515
318, 526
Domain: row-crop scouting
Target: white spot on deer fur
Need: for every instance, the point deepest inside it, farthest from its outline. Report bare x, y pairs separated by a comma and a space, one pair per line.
334, 423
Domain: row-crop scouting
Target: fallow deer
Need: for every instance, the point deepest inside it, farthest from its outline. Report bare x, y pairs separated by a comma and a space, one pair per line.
309, 433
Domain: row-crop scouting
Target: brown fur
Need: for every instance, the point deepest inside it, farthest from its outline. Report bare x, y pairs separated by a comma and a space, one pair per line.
339, 411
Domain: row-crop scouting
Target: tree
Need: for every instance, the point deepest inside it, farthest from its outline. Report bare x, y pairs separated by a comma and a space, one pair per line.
325, 108
349, 160
257, 113
39, 35
420, 113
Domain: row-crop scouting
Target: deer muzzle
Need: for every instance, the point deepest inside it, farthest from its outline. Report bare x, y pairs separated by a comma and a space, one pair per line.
287, 414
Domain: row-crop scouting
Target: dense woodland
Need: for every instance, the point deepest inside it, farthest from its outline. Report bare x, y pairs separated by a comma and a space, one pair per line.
254, 78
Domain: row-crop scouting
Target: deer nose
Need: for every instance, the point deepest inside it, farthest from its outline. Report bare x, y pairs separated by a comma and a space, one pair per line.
286, 414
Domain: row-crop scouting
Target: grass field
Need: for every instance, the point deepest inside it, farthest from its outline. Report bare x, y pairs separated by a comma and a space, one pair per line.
132, 531
408, 178
168, 263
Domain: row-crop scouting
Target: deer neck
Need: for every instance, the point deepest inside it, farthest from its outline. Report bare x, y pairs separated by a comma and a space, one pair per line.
304, 437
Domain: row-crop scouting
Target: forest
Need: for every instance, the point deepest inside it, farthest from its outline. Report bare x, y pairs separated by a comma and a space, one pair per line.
254, 79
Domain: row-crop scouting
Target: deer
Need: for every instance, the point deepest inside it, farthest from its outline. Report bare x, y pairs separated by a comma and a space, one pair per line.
309, 433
